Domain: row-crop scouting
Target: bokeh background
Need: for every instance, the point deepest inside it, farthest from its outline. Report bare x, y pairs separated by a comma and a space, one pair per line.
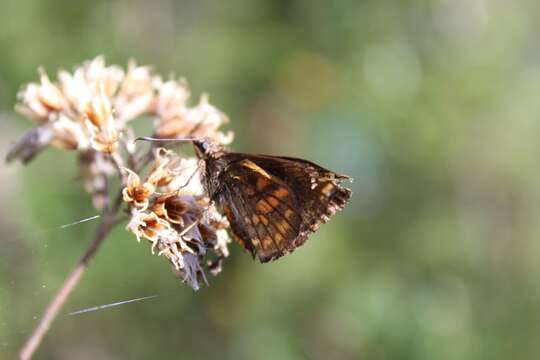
432, 107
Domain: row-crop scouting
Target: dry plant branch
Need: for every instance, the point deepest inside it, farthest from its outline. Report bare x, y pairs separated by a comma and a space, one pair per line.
89, 112
108, 220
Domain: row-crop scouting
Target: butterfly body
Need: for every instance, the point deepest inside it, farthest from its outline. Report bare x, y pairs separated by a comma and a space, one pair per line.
271, 202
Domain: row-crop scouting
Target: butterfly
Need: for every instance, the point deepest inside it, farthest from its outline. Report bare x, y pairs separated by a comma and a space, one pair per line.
272, 203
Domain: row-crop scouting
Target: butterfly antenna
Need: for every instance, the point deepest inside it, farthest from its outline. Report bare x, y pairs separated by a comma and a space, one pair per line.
176, 140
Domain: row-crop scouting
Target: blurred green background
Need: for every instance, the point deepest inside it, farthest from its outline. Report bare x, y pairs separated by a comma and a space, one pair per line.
430, 105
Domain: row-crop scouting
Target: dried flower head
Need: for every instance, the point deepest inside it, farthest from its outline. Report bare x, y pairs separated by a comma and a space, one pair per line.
177, 219
90, 111
136, 95
136, 193
177, 120
41, 101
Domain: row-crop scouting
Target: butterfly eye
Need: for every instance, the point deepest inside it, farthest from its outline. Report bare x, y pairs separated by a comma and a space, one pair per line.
201, 147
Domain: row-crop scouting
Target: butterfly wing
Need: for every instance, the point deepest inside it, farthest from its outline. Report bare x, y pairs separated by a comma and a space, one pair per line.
319, 188
261, 209
273, 203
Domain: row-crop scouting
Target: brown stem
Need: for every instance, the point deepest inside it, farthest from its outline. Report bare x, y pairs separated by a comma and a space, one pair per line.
108, 220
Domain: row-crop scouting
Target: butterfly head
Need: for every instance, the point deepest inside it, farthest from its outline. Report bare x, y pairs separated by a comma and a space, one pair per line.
206, 149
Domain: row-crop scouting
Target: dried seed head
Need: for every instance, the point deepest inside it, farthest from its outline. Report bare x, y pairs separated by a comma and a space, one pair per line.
49, 94
171, 208
177, 120
171, 99
135, 193
69, 134
103, 99
101, 124
89, 111
136, 93
179, 222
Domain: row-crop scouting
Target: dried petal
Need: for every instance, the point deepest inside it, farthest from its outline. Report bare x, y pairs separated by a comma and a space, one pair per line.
101, 124
136, 93
172, 98
30, 105
49, 94
69, 135
136, 193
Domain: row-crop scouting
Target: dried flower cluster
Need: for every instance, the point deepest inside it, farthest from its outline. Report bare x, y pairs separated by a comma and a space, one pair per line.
169, 209
89, 111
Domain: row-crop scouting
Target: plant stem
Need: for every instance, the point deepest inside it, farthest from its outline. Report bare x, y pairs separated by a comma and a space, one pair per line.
108, 220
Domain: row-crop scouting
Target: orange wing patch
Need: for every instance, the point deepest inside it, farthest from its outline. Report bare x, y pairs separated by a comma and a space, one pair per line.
281, 193
263, 206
